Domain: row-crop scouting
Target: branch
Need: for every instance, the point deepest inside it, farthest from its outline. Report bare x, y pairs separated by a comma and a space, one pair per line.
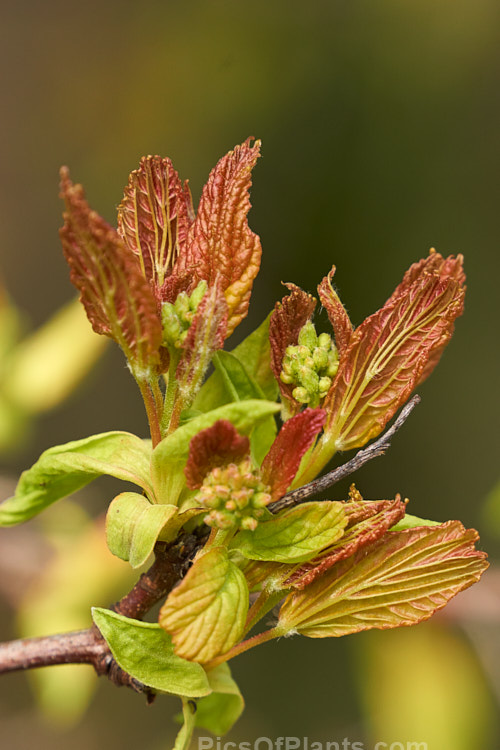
171, 563
378, 448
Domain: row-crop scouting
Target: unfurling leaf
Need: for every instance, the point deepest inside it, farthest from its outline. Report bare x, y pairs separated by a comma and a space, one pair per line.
217, 445
133, 525
117, 298
205, 336
64, 469
400, 580
295, 535
220, 241
389, 353
287, 319
337, 314
154, 217
205, 614
146, 652
367, 521
293, 440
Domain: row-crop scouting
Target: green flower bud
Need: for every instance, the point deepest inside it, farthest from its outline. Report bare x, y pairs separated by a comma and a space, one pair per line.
178, 316
324, 386
310, 366
307, 336
301, 395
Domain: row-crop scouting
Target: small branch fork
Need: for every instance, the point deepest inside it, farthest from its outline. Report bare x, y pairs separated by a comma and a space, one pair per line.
171, 563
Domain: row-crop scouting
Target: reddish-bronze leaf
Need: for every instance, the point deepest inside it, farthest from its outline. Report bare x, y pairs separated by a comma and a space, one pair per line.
288, 317
220, 242
154, 217
116, 296
445, 268
368, 522
434, 263
402, 579
206, 334
293, 440
341, 324
387, 356
218, 445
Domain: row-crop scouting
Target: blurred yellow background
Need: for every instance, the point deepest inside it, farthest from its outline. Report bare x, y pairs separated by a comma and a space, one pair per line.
380, 129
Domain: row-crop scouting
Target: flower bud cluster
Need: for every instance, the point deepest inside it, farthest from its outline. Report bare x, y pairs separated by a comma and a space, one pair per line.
177, 317
234, 495
310, 366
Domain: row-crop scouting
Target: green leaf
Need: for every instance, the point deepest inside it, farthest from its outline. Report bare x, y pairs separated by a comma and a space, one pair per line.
219, 711
133, 525
254, 357
146, 652
64, 469
169, 457
205, 613
295, 535
410, 522
255, 352
401, 579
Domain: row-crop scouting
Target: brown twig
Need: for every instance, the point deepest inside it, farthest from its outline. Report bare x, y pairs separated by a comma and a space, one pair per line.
378, 448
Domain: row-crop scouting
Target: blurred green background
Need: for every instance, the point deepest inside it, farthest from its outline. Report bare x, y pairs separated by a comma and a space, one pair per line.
380, 129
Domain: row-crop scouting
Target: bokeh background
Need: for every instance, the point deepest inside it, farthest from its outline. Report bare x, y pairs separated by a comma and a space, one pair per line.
380, 129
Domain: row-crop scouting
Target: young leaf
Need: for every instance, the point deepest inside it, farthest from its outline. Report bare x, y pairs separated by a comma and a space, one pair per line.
154, 217
294, 439
169, 457
205, 613
64, 469
133, 525
400, 580
146, 652
220, 240
287, 319
218, 445
205, 336
117, 298
337, 314
220, 710
368, 521
294, 535
255, 353
387, 356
